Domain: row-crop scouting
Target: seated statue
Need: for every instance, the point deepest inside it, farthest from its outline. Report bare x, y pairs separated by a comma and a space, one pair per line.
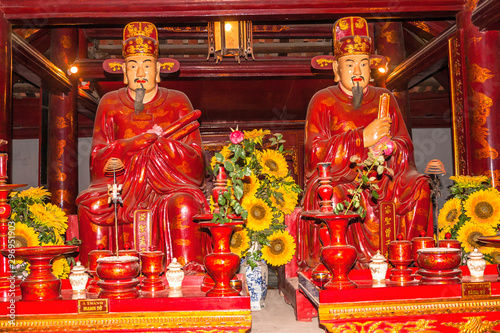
343, 121
153, 131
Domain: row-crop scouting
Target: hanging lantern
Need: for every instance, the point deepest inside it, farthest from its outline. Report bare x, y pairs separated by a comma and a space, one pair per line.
230, 38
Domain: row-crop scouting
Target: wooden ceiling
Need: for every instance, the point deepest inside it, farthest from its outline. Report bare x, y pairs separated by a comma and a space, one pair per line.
277, 86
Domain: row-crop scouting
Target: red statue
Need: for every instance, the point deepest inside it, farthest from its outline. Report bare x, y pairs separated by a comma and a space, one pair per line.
343, 121
153, 130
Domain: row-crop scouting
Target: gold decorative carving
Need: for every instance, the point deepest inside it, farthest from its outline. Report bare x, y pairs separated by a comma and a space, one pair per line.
323, 62
480, 113
197, 321
422, 25
328, 312
475, 325
343, 24
115, 66
421, 325
479, 74
167, 65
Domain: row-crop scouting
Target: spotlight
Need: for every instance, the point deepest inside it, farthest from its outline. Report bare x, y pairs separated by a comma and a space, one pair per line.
382, 69
73, 70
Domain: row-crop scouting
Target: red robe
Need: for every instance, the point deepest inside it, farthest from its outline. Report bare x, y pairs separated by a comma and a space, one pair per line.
161, 175
334, 133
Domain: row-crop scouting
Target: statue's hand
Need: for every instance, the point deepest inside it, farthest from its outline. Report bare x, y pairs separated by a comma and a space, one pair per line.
377, 129
141, 141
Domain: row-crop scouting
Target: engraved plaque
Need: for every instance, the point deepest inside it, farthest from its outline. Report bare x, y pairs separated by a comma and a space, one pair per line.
93, 305
476, 289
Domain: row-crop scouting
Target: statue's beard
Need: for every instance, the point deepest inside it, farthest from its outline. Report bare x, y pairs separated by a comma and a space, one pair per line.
357, 96
139, 99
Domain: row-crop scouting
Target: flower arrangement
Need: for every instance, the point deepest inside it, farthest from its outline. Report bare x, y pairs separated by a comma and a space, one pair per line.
261, 190
39, 224
472, 211
368, 172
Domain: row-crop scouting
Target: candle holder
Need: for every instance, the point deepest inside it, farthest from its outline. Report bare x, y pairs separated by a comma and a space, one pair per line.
152, 266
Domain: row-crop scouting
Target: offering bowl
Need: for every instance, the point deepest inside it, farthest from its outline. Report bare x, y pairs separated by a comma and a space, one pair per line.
439, 265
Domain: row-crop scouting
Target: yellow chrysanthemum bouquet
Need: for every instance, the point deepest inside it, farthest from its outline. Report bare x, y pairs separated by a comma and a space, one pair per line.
262, 191
472, 211
38, 223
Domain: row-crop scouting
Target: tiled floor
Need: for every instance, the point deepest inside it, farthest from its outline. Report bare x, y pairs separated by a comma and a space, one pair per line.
277, 316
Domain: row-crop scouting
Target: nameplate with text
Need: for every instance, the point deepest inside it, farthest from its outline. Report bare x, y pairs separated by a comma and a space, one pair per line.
476, 289
93, 305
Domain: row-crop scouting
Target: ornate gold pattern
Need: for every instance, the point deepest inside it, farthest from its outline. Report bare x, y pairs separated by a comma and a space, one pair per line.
480, 112
220, 321
115, 66
475, 325
323, 62
422, 25
328, 312
343, 24
457, 103
421, 325
479, 74
60, 123
359, 24
134, 30
167, 65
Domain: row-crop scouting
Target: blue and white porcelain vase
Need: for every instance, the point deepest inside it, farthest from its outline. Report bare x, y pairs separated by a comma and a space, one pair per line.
257, 279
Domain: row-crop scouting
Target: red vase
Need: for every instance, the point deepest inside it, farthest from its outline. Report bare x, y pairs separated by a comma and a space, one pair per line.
338, 257
222, 264
41, 284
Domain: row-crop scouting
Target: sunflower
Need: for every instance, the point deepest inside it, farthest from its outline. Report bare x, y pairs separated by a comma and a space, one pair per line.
468, 235
259, 214
60, 267
240, 242
483, 207
287, 202
25, 236
49, 215
280, 250
495, 256
36, 193
250, 185
469, 181
273, 163
256, 135
449, 215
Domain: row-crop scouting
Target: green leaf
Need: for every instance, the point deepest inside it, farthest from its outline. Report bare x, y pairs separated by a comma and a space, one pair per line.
365, 179
238, 192
229, 166
375, 194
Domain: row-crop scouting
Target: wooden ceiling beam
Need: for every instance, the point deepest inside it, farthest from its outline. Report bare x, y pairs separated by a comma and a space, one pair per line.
487, 15
419, 61
33, 60
192, 69
274, 31
91, 12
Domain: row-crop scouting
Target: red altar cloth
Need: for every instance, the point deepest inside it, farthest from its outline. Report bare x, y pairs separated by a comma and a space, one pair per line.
167, 312
407, 308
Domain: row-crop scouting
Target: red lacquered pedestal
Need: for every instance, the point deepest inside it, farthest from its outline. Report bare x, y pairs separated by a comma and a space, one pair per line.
41, 284
470, 306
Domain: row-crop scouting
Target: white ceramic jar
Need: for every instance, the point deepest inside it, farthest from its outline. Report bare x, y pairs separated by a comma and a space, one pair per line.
476, 264
174, 274
78, 278
378, 267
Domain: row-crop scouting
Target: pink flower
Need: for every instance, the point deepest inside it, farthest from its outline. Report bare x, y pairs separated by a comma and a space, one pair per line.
236, 137
389, 148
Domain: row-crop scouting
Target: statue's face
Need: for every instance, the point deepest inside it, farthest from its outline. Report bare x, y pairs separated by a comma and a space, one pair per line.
141, 69
351, 70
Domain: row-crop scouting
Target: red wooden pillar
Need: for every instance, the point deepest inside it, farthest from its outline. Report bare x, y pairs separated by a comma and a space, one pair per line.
389, 42
6, 86
62, 158
482, 95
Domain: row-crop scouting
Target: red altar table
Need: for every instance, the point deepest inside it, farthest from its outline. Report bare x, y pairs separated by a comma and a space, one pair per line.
472, 306
185, 310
